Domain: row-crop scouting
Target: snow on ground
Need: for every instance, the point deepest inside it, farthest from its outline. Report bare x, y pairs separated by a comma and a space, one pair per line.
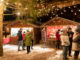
38, 53
11, 53
35, 48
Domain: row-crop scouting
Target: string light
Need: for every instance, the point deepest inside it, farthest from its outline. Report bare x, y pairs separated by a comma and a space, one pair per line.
53, 6
52, 12
64, 10
7, 3
56, 15
71, 10
74, 6
48, 9
57, 9
79, 10
18, 13
75, 13
5, 9
47, 14
69, 7
26, 8
51, 17
61, 13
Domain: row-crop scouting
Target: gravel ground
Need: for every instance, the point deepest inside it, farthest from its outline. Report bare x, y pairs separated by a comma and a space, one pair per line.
38, 53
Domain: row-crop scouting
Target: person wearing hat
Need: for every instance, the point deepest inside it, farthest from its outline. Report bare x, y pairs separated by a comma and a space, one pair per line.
28, 41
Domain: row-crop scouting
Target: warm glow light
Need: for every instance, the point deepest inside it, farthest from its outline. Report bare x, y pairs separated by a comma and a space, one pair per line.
75, 14
18, 13
61, 13
74, 6
0, 4
1, 0
71, 10
5, 9
69, 7
79, 10
26, 8
50, 17
52, 12
7, 3
57, 15
47, 14
64, 10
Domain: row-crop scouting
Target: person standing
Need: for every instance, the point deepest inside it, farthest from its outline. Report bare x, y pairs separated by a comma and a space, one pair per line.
23, 40
76, 47
70, 35
20, 43
65, 43
28, 41
58, 39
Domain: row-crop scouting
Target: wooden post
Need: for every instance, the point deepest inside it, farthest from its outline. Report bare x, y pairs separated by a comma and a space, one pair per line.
1, 27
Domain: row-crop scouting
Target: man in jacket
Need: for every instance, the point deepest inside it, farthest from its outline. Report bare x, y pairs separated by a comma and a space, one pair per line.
70, 35
20, 42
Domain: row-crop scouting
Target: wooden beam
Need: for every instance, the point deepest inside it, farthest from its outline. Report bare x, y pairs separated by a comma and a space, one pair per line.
1, 27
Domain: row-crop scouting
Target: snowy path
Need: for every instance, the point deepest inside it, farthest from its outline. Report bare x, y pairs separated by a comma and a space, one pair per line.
38, 53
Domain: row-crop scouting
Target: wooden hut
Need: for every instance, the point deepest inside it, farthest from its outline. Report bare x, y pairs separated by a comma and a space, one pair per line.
57, 23
14, 25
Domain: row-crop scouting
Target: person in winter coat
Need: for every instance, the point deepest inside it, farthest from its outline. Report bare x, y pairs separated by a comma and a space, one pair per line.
20, 42
77, 46
65, 43
58, 39
28, 41
24, 33
70, 35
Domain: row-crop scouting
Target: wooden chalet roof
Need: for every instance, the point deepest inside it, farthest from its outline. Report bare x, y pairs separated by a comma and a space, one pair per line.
59, 21
19, 24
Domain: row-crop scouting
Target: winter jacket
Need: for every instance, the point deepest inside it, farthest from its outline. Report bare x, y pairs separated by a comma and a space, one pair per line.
70, 38
57, 36
23, 36
19, 36
65, 40
76, 44
28, 39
